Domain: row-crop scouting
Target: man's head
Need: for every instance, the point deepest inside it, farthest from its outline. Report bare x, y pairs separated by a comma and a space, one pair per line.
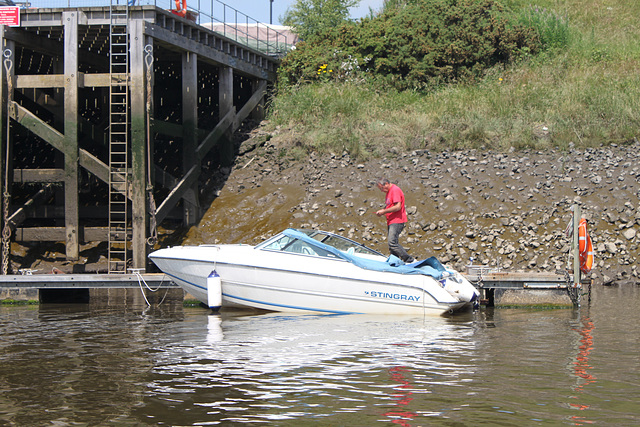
384, 184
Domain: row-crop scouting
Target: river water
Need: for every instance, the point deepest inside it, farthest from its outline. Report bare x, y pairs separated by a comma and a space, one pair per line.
124, 364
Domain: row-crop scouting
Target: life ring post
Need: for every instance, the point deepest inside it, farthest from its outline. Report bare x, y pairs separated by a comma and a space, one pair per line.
577, 215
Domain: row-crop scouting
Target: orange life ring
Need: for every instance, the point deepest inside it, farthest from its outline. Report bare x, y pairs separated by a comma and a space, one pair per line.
585, 247
181, 11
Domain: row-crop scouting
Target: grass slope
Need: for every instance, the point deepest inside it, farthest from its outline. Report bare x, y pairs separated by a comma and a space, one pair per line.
587, 94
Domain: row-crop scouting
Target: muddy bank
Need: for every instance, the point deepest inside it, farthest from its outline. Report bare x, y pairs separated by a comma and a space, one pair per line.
502, 209
505, 210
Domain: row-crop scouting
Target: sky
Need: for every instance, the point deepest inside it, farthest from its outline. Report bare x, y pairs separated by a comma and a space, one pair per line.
259, 9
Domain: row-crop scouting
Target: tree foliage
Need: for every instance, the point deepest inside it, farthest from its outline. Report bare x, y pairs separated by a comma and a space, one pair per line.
415, 44
310, 18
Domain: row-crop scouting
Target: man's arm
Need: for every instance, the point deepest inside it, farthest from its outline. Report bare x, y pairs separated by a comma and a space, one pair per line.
394, 208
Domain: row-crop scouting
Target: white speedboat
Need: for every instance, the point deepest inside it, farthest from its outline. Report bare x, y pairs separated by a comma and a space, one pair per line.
314, 271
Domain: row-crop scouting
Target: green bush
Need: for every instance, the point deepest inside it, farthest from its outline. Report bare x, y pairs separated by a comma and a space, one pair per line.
415, 46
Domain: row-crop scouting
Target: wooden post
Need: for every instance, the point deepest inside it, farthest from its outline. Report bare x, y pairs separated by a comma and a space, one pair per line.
258, 112
190, 132
138, 145
577, 214
71, 210
225, 96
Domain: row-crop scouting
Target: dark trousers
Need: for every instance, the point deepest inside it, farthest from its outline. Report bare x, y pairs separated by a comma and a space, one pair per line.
394, 247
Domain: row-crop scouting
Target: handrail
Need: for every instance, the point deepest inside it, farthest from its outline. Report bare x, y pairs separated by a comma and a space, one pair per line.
212, 14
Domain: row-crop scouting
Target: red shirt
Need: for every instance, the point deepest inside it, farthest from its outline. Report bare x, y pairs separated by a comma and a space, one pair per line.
395, 195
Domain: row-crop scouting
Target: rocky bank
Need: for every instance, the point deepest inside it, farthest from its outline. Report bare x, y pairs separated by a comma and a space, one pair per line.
507, 210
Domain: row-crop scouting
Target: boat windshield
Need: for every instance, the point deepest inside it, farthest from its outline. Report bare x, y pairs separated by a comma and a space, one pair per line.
339, 242
290, 244
286, 242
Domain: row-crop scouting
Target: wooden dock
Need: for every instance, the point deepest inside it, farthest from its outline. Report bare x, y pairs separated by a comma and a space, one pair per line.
502, 288
85, 281
513, 289
111, 113
135, 287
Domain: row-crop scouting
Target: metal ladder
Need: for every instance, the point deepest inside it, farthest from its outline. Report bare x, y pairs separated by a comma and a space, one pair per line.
119, 225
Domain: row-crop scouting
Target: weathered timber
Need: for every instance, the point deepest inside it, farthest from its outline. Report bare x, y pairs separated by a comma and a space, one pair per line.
62, 83
85, 281
21, 214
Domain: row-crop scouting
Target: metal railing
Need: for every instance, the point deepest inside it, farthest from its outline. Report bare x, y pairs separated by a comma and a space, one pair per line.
212, 14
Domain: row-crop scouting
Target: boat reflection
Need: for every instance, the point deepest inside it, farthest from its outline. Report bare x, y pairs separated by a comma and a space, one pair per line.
275, 366
214, 329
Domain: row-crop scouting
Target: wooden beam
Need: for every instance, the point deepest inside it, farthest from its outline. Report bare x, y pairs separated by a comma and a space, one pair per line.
258, 112
170, 201
166, 180
50, 47
251, 104
94, 165
173, 129
207, 53
70, 149
190, 159
225, 105
30, 121
38, 175
28, 81
21, 214
138, 146
216, 134
97, 80
57, 234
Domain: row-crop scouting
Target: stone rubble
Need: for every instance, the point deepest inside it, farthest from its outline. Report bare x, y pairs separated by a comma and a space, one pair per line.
506, 210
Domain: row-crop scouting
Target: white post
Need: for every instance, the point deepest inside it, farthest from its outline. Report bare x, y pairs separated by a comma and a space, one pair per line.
577, 214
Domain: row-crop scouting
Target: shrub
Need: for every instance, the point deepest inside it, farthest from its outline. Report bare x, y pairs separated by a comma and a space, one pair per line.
418, 44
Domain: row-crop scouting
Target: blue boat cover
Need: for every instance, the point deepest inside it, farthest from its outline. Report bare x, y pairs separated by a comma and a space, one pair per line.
428, 267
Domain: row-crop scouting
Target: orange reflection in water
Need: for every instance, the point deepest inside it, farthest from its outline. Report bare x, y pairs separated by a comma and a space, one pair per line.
401, 416
581, 366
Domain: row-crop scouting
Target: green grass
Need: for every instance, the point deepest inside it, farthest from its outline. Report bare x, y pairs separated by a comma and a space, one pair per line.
191, 303
18, 302
586, 94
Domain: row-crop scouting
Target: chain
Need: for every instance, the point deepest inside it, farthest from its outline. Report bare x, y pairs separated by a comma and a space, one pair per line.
6, 197
153, 226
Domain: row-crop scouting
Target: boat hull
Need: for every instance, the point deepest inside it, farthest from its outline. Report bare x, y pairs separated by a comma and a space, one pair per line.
301, 284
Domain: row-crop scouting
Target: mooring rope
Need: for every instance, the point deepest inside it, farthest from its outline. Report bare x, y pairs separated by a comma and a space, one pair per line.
6, 197
153, 226
136, 272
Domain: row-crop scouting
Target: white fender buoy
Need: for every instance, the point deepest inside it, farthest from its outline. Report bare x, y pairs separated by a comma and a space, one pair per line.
214, 291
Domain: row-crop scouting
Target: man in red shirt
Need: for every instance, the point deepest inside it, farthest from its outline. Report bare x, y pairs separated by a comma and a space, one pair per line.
396, 218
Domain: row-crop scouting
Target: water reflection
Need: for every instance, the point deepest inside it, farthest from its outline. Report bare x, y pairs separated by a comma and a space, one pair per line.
284, 367
582, 367
214, 329
403, 393
128, 364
